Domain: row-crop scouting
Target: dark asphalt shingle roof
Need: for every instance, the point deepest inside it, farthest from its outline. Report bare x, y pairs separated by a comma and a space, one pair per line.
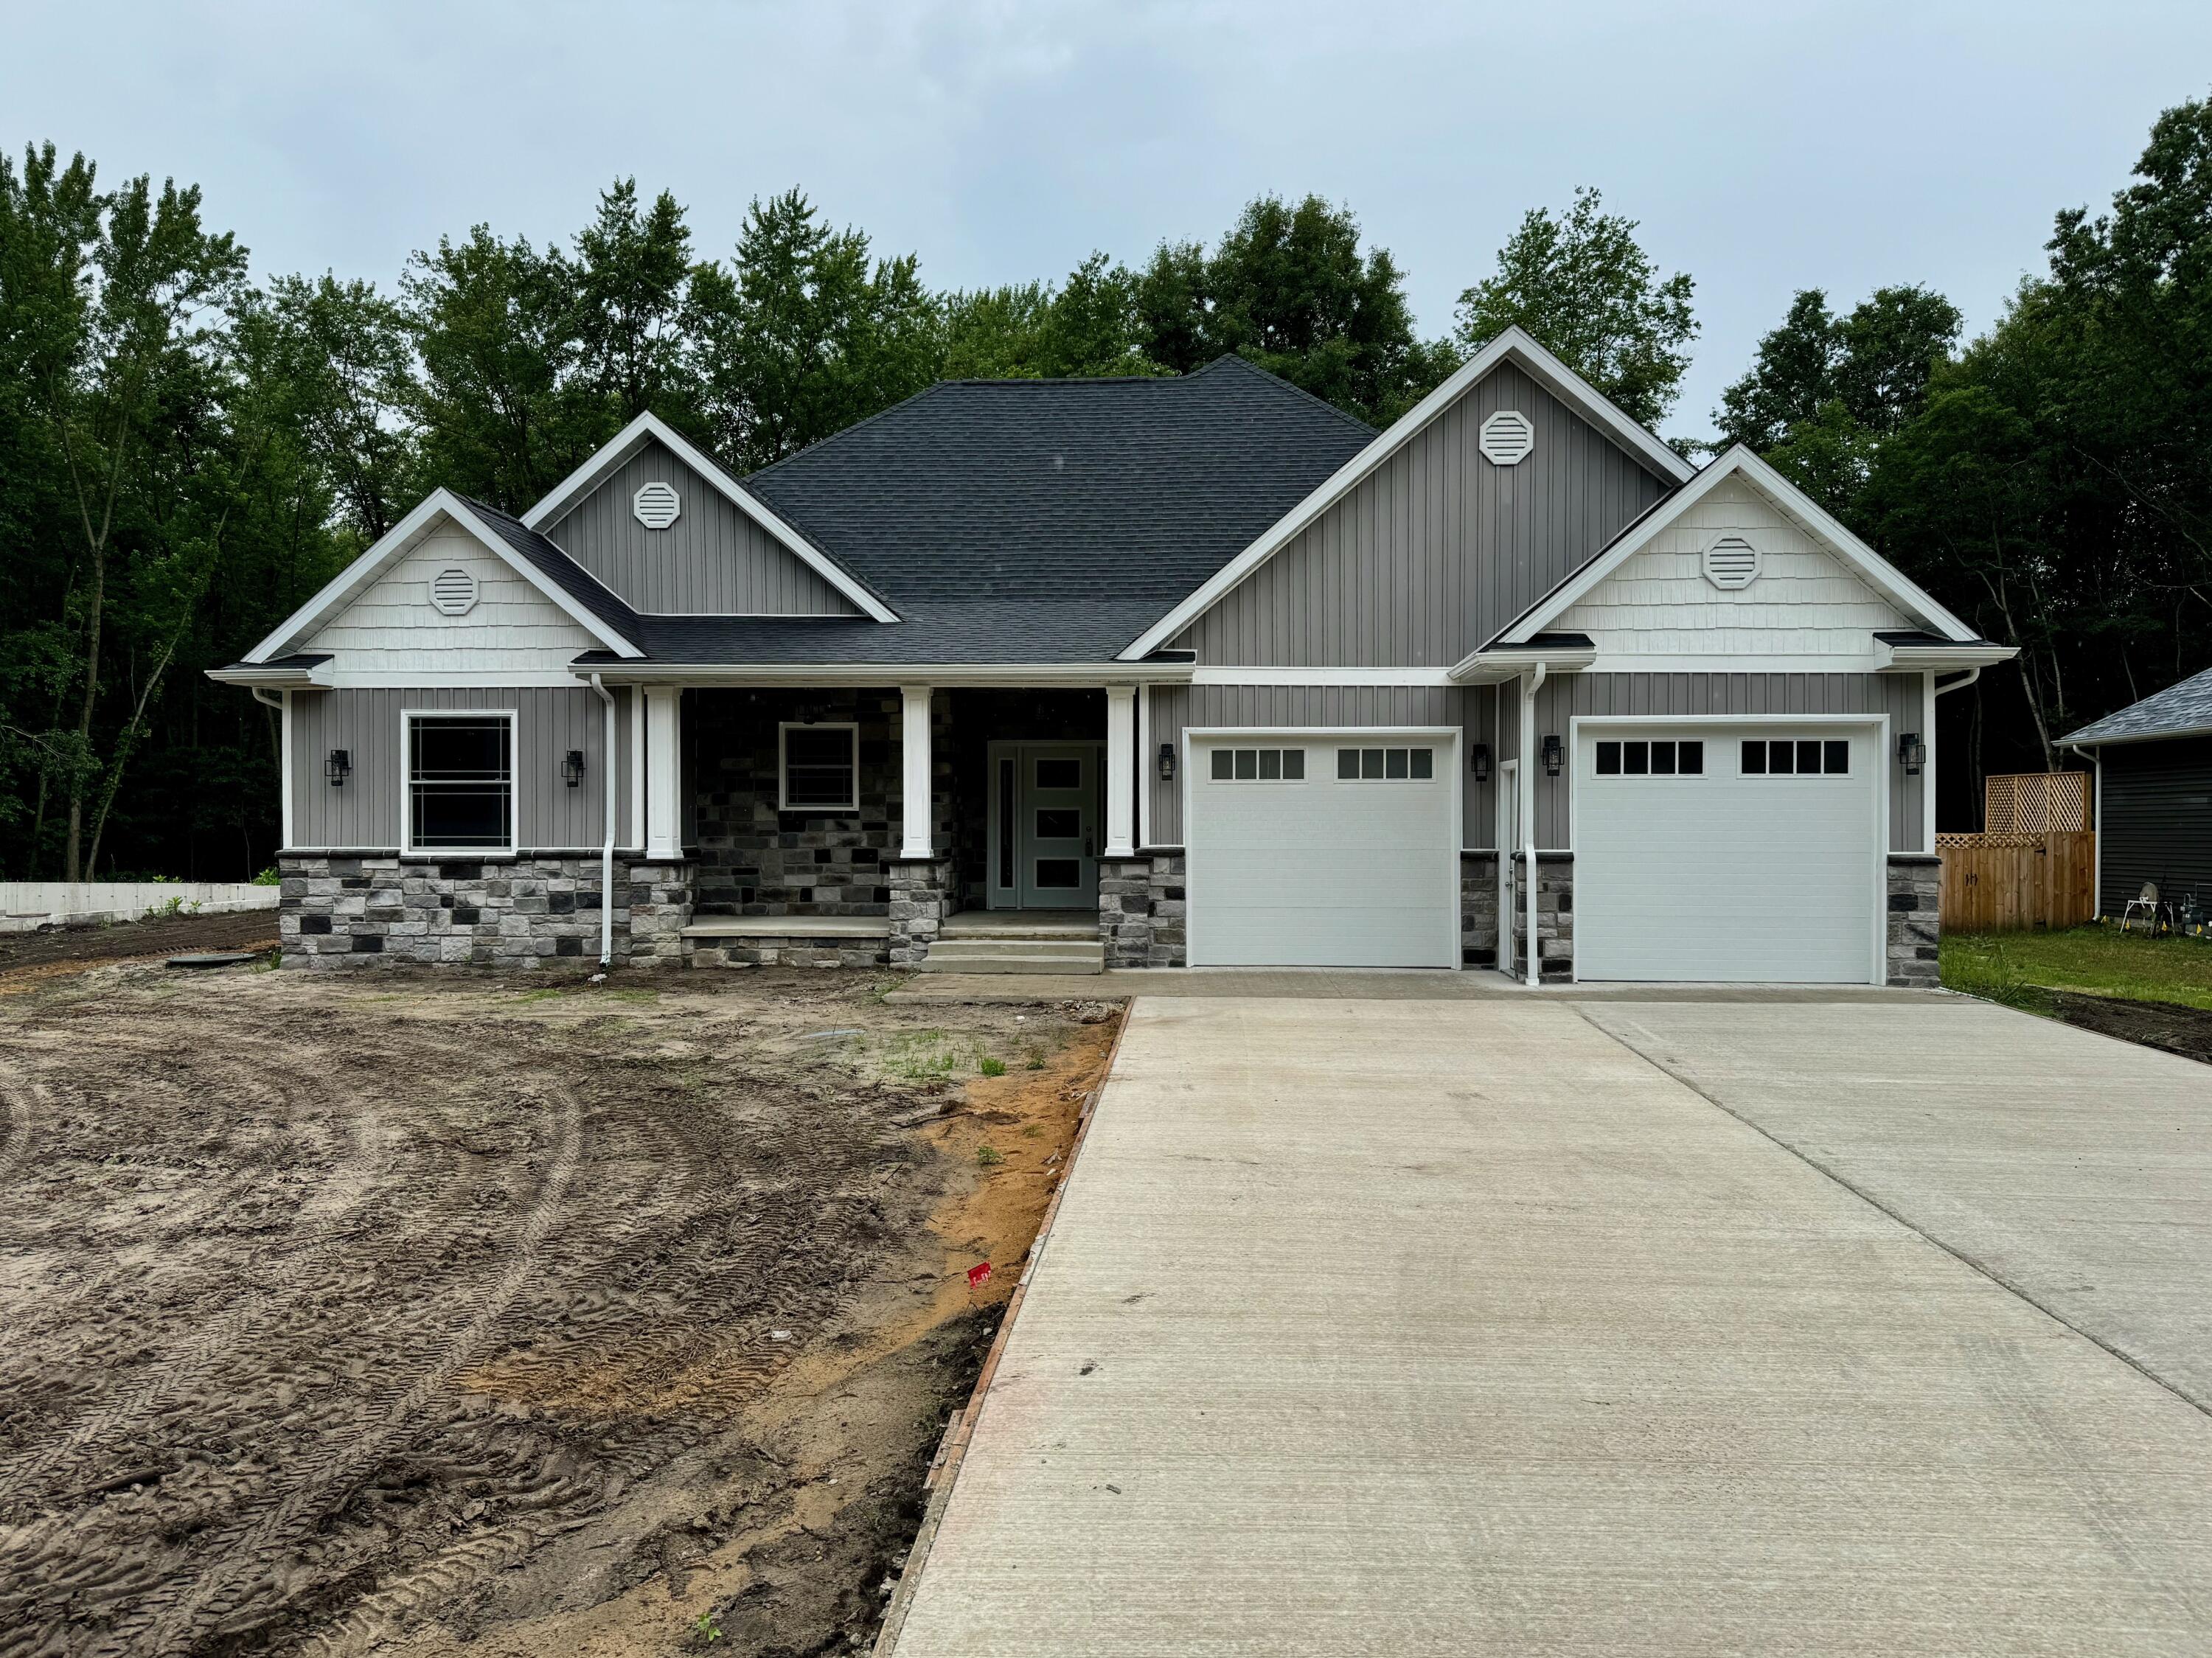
980, 493
1025, 630
2180, 710
562, 570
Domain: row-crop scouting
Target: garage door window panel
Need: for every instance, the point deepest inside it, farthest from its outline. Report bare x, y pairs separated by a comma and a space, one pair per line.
1797, 757
1415, 765
1258, 766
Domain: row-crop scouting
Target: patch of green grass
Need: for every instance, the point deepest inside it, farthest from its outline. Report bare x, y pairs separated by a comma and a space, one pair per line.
917, 1056
991, 1067
2022, 969
546, 993
989, 1156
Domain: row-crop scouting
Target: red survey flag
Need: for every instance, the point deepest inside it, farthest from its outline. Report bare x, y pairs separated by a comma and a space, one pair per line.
978, 1272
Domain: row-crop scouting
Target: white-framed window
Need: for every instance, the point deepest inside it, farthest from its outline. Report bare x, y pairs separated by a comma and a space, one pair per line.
1667, 757
459, 777
819, 768
1416, 765
1259, 766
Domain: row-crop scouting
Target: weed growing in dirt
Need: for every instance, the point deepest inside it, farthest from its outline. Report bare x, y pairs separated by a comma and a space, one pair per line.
1036, 1061
921, 1056
989, 1156
706, 1630
991, 1067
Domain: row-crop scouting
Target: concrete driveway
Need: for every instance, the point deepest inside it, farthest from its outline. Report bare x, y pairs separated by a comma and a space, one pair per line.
1569, 1327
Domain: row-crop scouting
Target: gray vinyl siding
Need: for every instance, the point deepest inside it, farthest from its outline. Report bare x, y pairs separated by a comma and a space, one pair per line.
1435, 551
2156, 823
364, 813
1898, 696
714, 559
1176, 708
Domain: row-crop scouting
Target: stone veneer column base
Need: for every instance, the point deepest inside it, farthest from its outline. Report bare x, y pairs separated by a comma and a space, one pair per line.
1478, 910
1141, 910
925, 891
1555, 915
1916, 920
523, 912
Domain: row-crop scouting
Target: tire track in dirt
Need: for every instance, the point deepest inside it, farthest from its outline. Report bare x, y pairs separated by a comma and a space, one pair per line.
301, 1501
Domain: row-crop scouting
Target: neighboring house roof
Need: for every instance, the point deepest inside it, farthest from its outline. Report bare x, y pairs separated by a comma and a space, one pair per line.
1514, 345
1871, 567
2182, 710
649, 427
1118, 494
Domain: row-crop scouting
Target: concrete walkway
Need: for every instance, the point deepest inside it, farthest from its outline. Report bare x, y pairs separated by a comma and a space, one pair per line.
1389, 1327
1350, 984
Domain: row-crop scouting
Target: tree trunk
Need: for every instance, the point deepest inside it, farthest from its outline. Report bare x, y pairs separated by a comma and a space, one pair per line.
71, 864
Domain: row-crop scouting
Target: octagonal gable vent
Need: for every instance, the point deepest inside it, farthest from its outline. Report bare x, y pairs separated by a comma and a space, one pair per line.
453, 591
1731, 563
1508, 436
657, 505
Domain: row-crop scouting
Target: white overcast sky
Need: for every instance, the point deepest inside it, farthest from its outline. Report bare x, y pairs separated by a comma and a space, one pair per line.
1765, 147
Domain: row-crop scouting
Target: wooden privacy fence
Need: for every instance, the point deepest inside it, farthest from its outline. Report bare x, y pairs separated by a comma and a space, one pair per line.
2010, 883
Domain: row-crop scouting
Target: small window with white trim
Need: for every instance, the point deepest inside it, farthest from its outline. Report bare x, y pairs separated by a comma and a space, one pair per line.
1799, 756
1385, 765
1661, 758
1258, 766
460, 782
820, 768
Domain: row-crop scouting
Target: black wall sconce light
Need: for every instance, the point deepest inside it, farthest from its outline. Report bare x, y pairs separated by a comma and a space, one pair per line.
1912, 752
1477, 761
1167, 763
572, 768
339, 767
1555, 755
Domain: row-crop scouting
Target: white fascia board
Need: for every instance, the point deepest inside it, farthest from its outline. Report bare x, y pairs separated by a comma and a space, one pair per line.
1015, 676
1412, 677
1497, 666
295, 679
1942, 658
401, 539
1877, 571
1515, 344
650, 428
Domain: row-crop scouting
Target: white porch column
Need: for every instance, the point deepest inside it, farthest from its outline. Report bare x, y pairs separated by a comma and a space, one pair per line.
664, 772
1120, 771
913, 747
1533, 966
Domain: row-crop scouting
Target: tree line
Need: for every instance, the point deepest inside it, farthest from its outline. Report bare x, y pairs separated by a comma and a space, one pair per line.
186, 454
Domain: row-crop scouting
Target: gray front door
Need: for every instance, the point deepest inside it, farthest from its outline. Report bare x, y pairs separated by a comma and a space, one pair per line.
1045, 799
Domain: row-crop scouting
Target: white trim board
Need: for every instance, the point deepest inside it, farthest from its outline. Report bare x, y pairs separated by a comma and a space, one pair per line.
1438, 678
1877, 571
402, 538
1515, 344
649, 427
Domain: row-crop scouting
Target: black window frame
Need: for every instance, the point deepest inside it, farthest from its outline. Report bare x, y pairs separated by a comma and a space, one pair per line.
1285, 764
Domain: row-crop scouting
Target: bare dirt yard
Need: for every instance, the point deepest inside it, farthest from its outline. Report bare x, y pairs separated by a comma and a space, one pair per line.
394, 1314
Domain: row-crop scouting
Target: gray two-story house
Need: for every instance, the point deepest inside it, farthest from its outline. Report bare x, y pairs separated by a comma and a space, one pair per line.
1148, 672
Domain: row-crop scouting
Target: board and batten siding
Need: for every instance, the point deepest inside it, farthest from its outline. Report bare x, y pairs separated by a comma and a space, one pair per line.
364, 814
391, 627
1437, 548
1806, 602
2156, 821
1177, 707
713, 560
1597, 695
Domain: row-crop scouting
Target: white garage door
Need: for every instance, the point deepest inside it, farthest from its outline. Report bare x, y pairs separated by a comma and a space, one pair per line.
1323, 851
1727, 852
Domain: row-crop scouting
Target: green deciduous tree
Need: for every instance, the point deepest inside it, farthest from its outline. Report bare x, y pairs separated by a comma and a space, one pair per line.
1584, 288
1289, 288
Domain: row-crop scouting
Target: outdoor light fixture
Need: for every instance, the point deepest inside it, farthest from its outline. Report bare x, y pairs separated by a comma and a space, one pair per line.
339, 767
571, 769
1167, 763
1477, 761
1555, 755
1912, 752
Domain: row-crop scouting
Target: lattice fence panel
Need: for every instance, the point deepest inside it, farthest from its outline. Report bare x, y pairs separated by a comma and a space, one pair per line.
2036, 803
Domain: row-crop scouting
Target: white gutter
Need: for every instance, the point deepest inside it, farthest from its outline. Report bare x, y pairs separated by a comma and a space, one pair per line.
1972, 674
607, 849
1535, 962
809, 674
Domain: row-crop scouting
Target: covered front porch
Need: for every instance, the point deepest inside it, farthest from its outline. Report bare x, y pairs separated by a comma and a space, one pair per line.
858, 825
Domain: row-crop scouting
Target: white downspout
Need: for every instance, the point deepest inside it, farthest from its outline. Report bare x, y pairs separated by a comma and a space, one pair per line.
1535, 955
607, 847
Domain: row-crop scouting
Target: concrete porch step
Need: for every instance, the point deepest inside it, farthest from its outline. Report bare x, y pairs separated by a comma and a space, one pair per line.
1057, 956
